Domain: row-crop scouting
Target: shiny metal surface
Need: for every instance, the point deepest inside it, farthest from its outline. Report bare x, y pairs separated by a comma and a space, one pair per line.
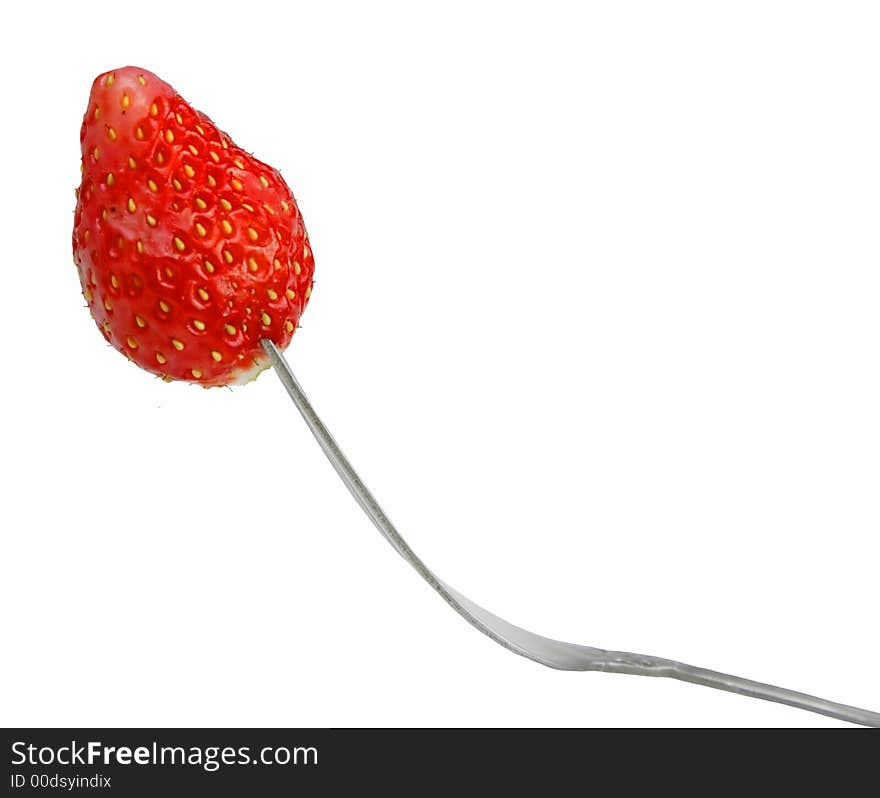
552, 653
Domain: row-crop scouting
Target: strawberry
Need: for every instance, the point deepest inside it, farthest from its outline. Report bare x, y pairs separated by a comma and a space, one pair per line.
189, 249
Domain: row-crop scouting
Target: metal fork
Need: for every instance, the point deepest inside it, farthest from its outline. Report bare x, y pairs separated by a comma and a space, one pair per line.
546, 651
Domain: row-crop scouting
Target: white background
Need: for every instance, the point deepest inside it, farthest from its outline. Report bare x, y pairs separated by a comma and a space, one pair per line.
597, 317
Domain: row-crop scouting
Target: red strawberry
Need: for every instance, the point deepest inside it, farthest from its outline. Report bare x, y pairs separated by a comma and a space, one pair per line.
189, 250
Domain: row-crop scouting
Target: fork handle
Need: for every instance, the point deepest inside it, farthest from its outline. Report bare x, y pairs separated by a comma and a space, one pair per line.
544, 650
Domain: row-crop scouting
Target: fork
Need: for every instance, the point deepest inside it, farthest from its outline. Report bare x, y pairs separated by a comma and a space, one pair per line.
544, 650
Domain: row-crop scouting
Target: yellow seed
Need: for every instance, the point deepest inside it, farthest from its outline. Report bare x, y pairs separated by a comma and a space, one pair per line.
139, 320
296, 267
238, 162
169, 136
178, 244
111, 134
164, 306
253, 235
227, 228
161, 359
216, 355
178, 345
140, 247
204, 295
272, 294
96, 153
227, 205
211, 182
200, 129
196, 373
160, 158
97, 113
132, 163
125, 102
214, 156
142, 80
290, 293
151, 220
131, 205
110, 78
109, 178
227, 256
193, 150
139, 133
230, 330
108, 305
104, 214
113, 281
247, 207
308, 292
269, 208
199, 324
284, 206
305, 253
190, 172
288, 325
223, 143
236, 184
179, 119
151, 184
252, 264
176, 183
264, 181
200, 229
265, 318
132, 342
277, 264
201, 204
209, 267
